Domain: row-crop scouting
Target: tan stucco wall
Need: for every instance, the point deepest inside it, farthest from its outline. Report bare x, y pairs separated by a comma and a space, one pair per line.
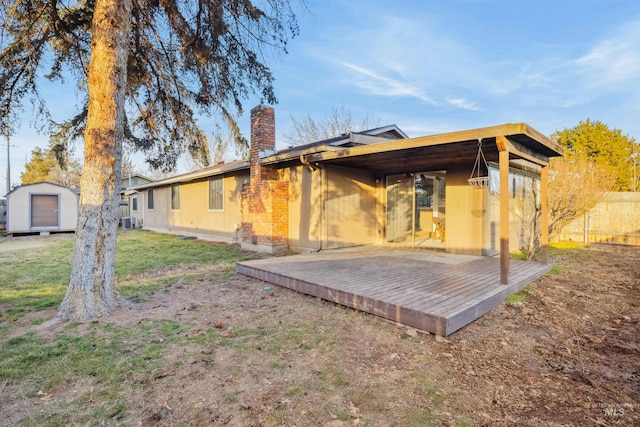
305, 205
338, 207
350, 207
194, 215
19, 208
330, 207
466, 226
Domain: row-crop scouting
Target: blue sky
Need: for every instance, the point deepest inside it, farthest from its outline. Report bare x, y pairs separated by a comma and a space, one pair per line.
435, 66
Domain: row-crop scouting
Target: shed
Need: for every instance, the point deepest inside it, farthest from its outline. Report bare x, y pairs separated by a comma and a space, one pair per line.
41, 208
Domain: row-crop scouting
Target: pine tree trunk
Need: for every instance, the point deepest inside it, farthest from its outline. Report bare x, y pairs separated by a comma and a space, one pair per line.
91, 292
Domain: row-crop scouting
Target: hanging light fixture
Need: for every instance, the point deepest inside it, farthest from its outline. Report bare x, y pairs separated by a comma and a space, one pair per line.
477, 179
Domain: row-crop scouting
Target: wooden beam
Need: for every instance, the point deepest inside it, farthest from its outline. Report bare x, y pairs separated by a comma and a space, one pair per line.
430, 141
523, 152
504, 214
548, 142
544, 214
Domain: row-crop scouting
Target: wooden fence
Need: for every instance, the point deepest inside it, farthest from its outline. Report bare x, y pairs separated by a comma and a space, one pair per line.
615, 219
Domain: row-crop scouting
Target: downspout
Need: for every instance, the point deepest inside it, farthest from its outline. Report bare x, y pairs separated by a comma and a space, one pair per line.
325, 196
313, 168
322, 213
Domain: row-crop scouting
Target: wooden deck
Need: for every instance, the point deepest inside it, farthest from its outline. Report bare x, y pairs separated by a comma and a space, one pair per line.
432, 291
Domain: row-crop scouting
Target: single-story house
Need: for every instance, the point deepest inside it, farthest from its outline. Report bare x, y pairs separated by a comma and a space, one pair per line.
132, 180
41, 208
477, 192
127, 205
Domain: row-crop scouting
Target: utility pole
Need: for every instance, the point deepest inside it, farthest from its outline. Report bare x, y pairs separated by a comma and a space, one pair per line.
6, 129
8, 162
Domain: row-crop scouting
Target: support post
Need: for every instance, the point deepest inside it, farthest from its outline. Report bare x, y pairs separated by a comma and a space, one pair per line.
544, 214
504, 210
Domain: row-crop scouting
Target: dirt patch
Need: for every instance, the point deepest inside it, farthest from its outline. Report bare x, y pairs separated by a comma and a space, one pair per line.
567, 355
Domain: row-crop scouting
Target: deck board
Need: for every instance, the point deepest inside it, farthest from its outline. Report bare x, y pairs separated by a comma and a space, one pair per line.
432, 291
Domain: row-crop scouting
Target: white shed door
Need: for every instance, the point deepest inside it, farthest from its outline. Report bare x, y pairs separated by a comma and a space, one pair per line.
44, 210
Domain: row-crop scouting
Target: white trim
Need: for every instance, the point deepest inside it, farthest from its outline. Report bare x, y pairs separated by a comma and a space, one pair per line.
44, 227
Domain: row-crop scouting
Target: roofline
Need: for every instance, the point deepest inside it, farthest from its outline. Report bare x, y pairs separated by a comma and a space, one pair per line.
139, 175
346, 137
331, 145
328, 151
383, 129
192, 176
290, 155
505, 130
38, 183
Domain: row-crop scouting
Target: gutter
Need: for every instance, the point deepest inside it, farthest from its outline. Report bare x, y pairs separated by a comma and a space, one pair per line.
192, 176
277, 158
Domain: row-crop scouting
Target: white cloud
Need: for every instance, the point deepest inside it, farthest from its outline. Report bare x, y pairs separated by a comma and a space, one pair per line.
463, 103
424, 65
376, 84
614, 59
403, 57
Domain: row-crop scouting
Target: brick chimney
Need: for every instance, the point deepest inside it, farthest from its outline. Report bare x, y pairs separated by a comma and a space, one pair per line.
263, 139
265, 208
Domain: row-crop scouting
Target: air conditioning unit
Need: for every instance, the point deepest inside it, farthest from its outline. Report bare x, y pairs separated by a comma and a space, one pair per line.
127, 222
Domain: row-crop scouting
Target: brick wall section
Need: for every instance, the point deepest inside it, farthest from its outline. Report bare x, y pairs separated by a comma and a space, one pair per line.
263, 138
265, 209
265, 213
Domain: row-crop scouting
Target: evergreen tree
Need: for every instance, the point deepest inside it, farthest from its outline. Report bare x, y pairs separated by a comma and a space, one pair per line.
147, 68
37, 169
608, 148
44, 166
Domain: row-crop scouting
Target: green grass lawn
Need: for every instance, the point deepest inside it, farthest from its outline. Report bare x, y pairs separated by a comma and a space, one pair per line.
93, 369
36, 279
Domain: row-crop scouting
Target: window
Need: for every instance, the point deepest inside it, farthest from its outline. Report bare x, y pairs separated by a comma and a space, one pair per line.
134, 204
424, 191
175, 197
216, 194
150, 200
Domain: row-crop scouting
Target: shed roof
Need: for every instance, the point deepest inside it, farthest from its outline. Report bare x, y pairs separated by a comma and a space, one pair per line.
20, 187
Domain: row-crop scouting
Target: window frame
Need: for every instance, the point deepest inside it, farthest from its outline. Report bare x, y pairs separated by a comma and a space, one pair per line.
150, 200
134, 204
219, 191
177, 189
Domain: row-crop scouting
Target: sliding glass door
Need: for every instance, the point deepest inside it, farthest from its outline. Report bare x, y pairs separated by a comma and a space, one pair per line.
416, 209
400, 195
